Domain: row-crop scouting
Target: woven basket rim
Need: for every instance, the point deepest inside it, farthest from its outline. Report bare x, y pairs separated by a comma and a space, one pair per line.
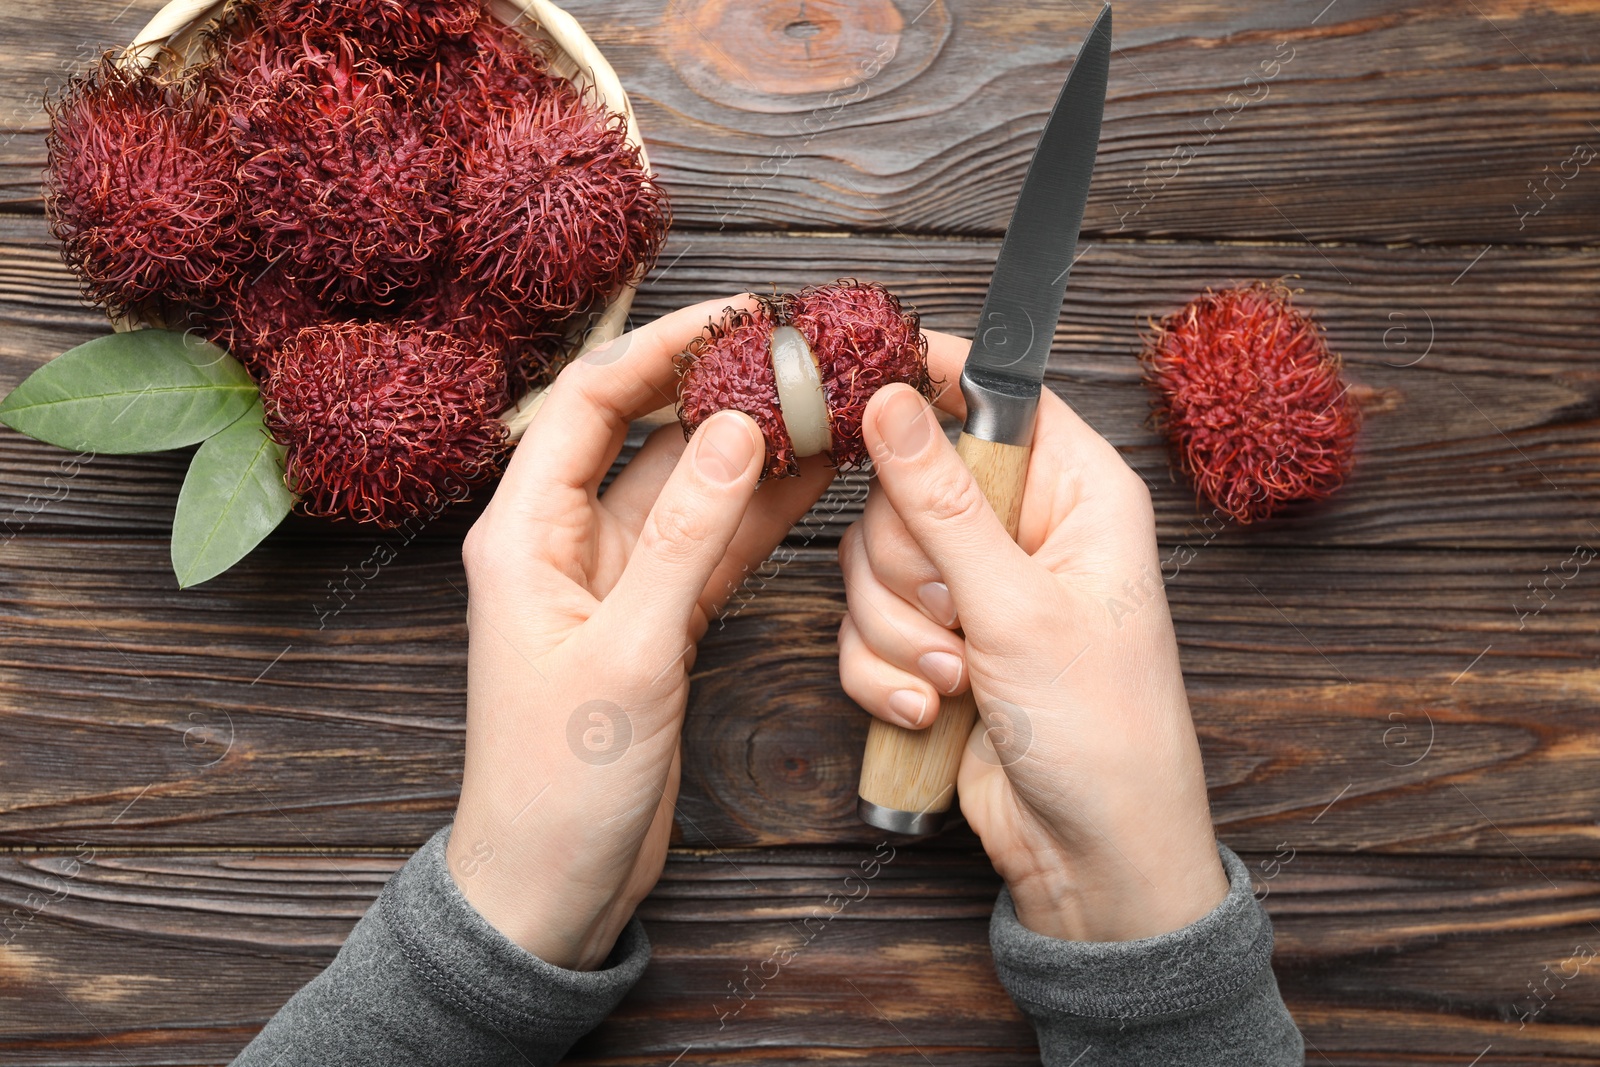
577, 58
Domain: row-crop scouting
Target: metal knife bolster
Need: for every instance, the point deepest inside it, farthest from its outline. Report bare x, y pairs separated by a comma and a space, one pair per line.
1000, 407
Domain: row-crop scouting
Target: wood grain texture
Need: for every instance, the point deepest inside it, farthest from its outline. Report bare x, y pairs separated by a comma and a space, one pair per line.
119, 958
1480, 388
1396, 693
1371, 121
1388, 701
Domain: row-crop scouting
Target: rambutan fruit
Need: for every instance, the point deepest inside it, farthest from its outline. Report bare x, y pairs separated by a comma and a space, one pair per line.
255, 316
531, 346
490, 72
856, 337
730, 366
139, 189
384, 421
863, 339
1252, 401
555, 212
346, 183
399, 28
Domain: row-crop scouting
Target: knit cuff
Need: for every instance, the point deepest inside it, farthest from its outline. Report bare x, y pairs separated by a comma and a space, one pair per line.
1210, 960
470, 964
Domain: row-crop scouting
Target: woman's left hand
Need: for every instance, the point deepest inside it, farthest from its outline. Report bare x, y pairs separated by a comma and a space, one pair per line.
583, 612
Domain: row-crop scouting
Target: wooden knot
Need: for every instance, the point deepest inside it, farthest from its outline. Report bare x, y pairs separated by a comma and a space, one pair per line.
780, 55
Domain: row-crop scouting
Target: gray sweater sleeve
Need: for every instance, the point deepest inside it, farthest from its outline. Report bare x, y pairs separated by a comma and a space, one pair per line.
424, 981
1196, 997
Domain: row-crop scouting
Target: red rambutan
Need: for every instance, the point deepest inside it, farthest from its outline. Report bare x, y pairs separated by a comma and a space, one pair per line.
399, 28
140, 190
347, 184
256, 315
730, 366
863, 340
492, 71
860, 339
1252, 401
530, 345
384, 422
555, 211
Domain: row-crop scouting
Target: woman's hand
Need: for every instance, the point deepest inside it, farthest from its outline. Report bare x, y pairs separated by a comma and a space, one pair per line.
583, 613
1083, 777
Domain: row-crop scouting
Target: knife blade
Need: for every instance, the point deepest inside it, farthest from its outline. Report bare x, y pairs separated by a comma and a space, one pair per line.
908, 776
1004, 371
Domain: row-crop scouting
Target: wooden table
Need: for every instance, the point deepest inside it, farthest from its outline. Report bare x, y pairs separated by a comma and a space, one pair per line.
1397, 692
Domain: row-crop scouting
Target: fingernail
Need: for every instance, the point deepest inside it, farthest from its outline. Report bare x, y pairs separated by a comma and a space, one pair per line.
725, 449
910, 705
942, 669
936, 598
904, 424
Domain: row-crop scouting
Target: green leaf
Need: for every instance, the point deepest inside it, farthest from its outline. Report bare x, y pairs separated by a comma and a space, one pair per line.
144, 391
232, 497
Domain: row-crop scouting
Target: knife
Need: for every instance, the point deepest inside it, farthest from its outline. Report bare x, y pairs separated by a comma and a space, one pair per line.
908, 777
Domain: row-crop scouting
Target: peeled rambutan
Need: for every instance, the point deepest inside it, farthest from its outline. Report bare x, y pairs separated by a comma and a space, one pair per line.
555, 212
384, 422
346, 183
1252, 401
139, 189
863, 340
860, 339
399, 28
255, 316
531, 346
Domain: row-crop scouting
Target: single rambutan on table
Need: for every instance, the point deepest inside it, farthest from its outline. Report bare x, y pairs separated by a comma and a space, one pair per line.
1252, 401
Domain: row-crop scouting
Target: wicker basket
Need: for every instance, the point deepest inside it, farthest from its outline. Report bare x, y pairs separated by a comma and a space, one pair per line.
177, 30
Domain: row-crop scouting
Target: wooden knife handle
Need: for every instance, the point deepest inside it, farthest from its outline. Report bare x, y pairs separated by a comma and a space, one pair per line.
908, 777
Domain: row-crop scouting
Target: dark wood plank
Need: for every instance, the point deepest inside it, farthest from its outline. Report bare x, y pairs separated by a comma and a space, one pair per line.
1370, 121
1481, 389
1374, 700
178, 957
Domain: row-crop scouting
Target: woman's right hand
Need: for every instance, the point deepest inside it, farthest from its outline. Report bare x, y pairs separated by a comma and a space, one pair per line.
1083, 778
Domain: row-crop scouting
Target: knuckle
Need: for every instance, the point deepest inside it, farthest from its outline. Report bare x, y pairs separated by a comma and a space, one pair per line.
855, 680
850, 545
953, 497
899, 561
478, 550
676, 532
1135, 494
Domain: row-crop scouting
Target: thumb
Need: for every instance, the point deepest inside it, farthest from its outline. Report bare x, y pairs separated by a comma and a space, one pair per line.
689, 528
939, 501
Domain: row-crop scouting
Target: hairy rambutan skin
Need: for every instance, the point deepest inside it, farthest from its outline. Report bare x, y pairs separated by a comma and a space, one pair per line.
863, 340
384, 422
555, 211
139, 189
488, 74
256, 315
346, 183
861, 337
531, 346
399, 28
1252, 400
729, 366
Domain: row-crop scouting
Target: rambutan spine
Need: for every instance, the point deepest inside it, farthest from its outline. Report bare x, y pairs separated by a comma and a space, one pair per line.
398, 28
